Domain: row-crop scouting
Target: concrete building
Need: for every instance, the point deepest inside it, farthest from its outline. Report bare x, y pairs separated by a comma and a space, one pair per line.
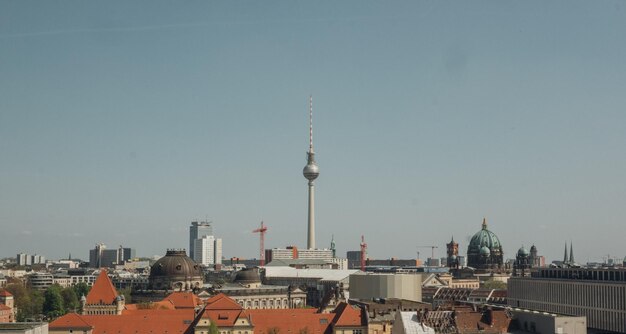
597, 294
205, 250
40, 281
542, 322
23, 259
319, 283
399, 286
100, 257
24, 328
197, 230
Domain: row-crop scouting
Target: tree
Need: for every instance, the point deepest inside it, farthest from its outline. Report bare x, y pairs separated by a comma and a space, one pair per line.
126, 292
70, 299
81, 289
213, 328
493, 284
53, 302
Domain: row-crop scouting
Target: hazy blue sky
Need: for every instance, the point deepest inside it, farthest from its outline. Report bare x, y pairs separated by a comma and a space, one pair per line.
121, 122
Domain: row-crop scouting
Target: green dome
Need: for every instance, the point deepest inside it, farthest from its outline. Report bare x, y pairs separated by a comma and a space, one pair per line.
522, 252
484, 251
484, 237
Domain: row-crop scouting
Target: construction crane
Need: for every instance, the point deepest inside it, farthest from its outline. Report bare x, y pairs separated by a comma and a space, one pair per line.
261, 231
363, 252
432, 250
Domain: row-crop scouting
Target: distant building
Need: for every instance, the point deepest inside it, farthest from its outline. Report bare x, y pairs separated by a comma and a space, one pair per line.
207, 250
248, 291
197, 230
100, 257
292, 253
399, 286
598, 294
354, 259
485, 250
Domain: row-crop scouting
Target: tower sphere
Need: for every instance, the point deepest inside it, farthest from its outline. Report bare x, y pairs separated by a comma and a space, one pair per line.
484, 251
311, 171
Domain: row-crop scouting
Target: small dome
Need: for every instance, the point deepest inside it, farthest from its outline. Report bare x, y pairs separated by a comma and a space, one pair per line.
533, 248
247, 276
522, 252
484, 251
453, 257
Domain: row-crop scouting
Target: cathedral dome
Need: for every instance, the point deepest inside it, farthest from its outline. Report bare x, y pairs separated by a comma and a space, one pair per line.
175, 271
484, 251
484, 237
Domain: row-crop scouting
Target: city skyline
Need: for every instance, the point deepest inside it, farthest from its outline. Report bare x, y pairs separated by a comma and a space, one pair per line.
122, 123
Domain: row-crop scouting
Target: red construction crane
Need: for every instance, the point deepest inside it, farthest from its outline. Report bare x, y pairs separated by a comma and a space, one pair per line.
363, 252
261, 231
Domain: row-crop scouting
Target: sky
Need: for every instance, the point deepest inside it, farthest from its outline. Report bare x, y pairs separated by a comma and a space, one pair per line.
123, 121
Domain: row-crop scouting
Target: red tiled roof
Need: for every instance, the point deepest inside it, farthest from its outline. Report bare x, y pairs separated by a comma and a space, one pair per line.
290, 321
183, 299
348, 315
5, 293
70, 320
139, 322
222, 302
102, 291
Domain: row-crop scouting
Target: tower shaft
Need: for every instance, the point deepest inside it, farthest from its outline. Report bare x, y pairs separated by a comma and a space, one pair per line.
310, 243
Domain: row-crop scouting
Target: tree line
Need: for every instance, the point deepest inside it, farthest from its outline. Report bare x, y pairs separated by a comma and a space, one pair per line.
51, 303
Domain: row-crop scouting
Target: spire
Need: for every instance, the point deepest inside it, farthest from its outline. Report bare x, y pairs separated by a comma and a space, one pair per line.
310, 123
332, 245
452, 241
484, 223
565, 256
571, 253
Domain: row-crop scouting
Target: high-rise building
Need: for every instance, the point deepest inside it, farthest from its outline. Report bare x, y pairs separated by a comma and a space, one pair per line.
100, 257
208, 250
95, 256
311, 171
23, 259
197, 230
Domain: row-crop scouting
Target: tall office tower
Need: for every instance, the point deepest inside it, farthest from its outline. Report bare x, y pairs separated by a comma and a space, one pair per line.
218, 251
208, 250
125, 254
311, 171
198, 230
95, 256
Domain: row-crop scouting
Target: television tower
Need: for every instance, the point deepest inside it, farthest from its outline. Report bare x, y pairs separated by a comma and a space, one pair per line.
311, 172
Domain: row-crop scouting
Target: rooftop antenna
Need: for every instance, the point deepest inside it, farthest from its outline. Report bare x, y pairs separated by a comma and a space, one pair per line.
310, 123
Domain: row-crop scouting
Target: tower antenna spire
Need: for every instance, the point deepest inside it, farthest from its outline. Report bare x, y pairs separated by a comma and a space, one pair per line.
310, 123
